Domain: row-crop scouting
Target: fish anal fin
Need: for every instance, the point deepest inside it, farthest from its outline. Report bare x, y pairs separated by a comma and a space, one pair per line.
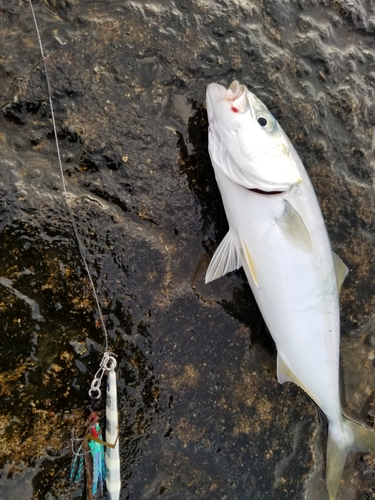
285, 374
294, 229
225, 258
341, 270
249, 261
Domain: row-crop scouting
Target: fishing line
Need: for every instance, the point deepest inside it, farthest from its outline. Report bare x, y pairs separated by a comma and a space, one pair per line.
91, 459
65, 193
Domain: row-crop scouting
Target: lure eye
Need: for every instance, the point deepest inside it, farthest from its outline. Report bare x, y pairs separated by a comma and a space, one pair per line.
235, 110
262, 121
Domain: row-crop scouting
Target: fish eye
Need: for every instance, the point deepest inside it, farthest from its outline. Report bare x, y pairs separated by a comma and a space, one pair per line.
262, 121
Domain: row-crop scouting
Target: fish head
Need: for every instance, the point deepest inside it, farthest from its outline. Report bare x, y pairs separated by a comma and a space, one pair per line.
246, 141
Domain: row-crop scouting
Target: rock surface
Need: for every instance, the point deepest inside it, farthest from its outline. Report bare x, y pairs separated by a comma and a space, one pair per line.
202, 414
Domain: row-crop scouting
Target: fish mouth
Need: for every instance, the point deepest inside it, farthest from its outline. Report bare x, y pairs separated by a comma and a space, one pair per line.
236, 90
236, 94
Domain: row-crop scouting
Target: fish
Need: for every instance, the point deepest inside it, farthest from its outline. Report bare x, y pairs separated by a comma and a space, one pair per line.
278, 235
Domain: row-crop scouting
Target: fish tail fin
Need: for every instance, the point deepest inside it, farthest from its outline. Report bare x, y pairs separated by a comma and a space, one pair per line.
342, 438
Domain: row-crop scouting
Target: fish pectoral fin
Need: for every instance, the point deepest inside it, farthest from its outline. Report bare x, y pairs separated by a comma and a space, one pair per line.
341, 270
294, 229
225, 259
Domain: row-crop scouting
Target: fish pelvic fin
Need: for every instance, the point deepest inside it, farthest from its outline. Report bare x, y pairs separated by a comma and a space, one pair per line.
294, 229
249, 261
342, 438
225, 259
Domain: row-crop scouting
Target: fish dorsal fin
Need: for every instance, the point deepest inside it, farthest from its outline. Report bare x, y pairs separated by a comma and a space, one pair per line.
341, 270
294, 229
225, 259
246, 257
